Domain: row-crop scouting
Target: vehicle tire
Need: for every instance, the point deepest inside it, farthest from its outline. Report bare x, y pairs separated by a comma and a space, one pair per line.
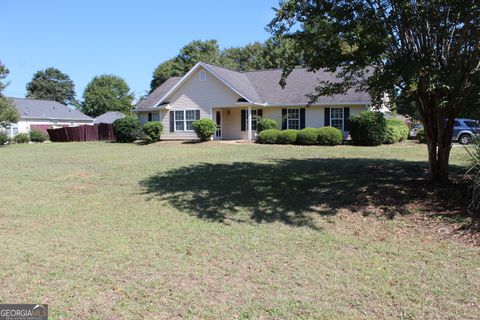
464, 139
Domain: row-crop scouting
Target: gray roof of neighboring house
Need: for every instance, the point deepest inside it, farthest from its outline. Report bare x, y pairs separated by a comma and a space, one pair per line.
45, 109
158, 93
263, 87
109, 117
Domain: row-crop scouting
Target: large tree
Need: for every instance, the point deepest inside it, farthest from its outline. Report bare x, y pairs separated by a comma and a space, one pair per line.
195, 51
52, 84
8, 112
426, 49
164, 71
106, 93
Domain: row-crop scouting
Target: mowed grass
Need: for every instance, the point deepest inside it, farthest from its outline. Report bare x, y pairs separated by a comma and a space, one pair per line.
230, 231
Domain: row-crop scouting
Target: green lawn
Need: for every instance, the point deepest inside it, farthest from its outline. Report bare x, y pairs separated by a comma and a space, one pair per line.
224, 231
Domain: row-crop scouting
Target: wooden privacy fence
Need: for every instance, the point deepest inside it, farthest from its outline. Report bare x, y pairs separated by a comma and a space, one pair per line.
98, 132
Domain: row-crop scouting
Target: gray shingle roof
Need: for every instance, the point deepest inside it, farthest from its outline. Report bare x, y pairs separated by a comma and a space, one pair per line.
263, 87
45, 109
157, 94
300, 83
109, 117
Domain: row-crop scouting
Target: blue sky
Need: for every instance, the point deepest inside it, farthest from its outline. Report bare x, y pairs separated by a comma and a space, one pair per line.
84, 38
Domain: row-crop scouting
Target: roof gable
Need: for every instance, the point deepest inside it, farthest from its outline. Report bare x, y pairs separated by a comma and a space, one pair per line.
263, 87
212, 72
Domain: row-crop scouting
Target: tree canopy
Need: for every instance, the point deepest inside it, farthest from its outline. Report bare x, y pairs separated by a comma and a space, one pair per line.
106, 93
426, 51
8, 112
253, 56
52, 84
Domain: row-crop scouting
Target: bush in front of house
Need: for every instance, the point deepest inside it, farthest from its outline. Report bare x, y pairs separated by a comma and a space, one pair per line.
126, 129
392, 135
38, 136
3, 138
396, 131
204, 128
153, 130
288, 136
269, 136
307, 136
22, 138
421, 136
329, 136
265, 124
368, 128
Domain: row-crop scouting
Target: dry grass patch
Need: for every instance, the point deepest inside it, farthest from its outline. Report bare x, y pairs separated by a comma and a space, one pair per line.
214, 231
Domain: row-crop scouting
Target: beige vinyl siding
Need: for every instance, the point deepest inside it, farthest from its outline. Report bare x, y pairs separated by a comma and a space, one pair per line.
231, 125
195, 94
314, 115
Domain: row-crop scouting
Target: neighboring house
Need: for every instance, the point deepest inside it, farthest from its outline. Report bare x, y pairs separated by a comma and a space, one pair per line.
109, 117
234, 100
44, 114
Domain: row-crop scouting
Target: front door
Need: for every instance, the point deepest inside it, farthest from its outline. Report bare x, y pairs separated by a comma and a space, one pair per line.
218, 120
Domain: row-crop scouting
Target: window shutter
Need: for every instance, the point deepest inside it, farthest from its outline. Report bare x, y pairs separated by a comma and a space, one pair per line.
243, 120
197, 114
302, 118
260, 113
172, 121
327, 117
284, 119
346, 120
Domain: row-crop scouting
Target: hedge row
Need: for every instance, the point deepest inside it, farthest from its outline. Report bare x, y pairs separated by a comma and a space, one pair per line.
327, 136
33, 136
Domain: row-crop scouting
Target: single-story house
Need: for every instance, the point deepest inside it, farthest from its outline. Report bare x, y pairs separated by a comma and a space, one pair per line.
44, 114
234, 100
109, 117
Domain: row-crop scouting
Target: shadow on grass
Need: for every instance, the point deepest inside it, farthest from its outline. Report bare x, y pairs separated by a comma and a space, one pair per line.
293, 191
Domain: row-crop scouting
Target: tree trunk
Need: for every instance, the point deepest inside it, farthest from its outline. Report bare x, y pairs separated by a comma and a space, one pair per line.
438, 125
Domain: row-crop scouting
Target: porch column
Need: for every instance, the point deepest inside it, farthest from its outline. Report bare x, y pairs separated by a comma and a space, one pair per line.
249, 123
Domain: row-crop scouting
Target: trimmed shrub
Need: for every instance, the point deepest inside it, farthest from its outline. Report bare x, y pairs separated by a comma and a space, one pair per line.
368, 128
392, 134
3, 138
403, 129
265, 124
268, 136
153, 130
288, 136
126, 129
329, 136
307, 136
204, 128
38, 136
22, 138
421, 136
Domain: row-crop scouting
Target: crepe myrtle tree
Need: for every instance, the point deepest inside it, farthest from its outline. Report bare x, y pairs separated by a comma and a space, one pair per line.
427, 50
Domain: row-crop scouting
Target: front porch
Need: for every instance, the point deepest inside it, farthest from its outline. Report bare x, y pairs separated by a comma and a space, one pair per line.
235, 123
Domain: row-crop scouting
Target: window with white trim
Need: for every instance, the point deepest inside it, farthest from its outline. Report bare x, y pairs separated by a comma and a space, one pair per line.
189, 119
184, 119
202, 75
293, 119
153, 116
336, 118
